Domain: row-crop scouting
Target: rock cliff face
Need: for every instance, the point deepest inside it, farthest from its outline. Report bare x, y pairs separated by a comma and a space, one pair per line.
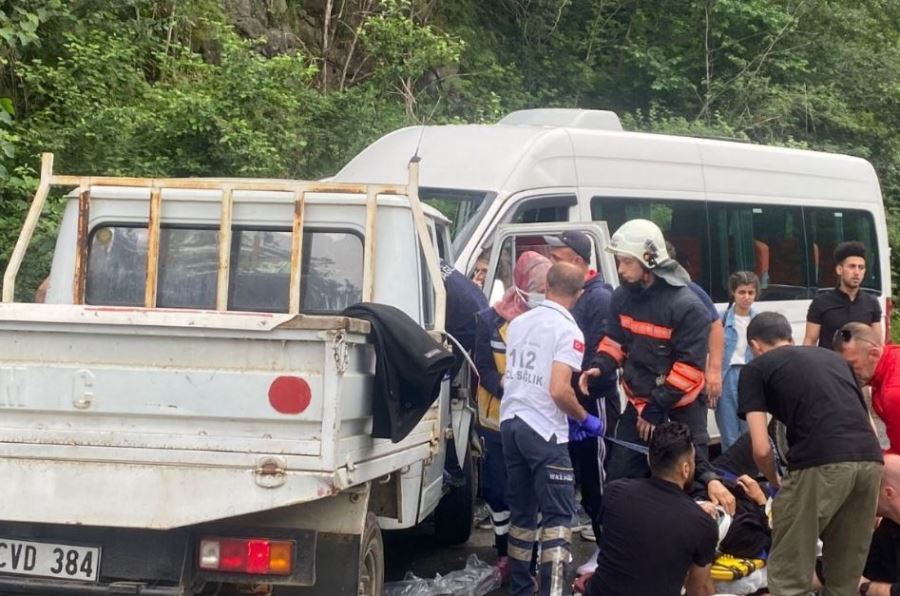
325, 30
279, 27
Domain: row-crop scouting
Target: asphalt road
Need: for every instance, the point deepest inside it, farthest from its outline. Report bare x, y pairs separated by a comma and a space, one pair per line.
416, 551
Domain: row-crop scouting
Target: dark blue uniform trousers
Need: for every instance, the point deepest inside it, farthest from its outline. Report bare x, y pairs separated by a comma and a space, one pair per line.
493, 486
539, 477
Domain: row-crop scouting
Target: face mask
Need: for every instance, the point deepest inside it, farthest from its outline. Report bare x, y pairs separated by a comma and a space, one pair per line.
534, 299
531, 299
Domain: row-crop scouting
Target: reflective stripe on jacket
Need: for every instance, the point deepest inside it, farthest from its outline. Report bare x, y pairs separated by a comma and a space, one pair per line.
490, 360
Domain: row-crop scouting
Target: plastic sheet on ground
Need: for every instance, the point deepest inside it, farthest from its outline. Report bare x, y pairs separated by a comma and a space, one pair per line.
746, 585
476, 579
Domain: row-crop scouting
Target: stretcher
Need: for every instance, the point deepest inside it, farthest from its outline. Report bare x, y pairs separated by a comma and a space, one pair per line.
726, 568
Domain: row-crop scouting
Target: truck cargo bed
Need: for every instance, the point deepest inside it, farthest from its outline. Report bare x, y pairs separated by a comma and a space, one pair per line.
169, 418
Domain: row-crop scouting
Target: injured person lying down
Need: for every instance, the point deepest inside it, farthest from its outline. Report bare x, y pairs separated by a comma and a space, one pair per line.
713, 552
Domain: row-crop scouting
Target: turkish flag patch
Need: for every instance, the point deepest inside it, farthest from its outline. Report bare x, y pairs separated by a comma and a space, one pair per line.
578, 346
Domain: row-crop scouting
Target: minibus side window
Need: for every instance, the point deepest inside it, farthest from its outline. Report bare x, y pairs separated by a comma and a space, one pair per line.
765, 239
683, 224
789, 248
544, 209
826, 228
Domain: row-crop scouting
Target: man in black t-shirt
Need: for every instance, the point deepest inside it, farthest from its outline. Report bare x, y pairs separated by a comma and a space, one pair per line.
834, 460
655, 538
833, 308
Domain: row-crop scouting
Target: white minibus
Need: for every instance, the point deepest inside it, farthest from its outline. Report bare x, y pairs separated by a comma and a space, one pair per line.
724, 205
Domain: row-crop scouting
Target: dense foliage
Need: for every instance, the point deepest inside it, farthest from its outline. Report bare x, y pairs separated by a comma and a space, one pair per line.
293, 89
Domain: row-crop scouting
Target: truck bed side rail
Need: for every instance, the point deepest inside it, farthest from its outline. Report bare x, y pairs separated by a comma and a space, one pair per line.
226, 186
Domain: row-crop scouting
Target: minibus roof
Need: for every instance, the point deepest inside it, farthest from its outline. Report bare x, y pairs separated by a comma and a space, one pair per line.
512, 157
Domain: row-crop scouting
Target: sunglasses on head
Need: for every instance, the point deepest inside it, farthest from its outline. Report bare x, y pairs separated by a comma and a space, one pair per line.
843, 336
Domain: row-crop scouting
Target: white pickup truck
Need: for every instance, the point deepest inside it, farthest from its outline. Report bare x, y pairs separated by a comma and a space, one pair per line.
188, 413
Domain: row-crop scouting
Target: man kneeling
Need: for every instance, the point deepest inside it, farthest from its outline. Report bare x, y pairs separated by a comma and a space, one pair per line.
655, 538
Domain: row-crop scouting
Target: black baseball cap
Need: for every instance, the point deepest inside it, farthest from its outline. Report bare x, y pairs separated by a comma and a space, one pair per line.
577, 241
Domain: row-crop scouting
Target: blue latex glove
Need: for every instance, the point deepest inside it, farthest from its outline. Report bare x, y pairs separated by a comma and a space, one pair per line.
575, 432
592, 426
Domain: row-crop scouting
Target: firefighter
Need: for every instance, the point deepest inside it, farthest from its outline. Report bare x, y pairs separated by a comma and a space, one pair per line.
657, 334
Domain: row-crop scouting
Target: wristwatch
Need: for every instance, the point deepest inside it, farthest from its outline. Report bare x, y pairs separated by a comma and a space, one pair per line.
864, 588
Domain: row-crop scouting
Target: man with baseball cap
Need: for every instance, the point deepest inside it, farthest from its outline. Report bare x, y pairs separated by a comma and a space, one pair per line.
578, 242
657, 334
602, 399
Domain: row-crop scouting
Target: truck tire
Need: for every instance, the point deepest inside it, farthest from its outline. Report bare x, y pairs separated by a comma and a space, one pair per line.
371, 559
453, 515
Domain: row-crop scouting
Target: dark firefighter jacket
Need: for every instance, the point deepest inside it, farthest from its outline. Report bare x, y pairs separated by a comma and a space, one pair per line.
659, 337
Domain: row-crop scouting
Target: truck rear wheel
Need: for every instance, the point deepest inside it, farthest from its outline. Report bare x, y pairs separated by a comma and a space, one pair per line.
371, 559
453, 515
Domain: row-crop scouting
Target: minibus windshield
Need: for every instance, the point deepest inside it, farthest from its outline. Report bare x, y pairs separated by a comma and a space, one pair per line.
464, 209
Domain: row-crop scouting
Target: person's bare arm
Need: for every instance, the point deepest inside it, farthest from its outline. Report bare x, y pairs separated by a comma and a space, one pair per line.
714, 364
720, 495
876, 327
699, 581
811, 337
879, 589
763, 455
562, 392
752, 489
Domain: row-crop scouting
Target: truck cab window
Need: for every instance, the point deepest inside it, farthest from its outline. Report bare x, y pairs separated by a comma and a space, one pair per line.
188, 268
331, 271
117, 266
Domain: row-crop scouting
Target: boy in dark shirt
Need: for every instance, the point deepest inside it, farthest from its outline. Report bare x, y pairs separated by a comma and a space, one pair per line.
655, 538
834, 460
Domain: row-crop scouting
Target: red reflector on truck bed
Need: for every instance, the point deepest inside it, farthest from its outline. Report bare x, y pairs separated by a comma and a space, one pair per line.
289, 395
257, 556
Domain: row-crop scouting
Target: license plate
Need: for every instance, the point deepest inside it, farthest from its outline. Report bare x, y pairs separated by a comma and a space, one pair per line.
60, 561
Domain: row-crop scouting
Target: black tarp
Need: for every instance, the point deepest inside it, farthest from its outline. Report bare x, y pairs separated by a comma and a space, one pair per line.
409, 367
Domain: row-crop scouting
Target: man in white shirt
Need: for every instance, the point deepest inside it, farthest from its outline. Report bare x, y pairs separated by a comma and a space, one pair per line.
544, 347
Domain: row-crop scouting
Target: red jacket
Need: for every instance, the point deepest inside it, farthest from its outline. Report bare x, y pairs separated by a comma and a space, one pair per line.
885, 386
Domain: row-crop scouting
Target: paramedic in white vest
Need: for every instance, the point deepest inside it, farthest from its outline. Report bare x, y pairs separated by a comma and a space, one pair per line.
544, 348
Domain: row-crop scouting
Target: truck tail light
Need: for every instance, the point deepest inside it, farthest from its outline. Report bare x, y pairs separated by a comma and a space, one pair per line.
888, 311
257, 556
